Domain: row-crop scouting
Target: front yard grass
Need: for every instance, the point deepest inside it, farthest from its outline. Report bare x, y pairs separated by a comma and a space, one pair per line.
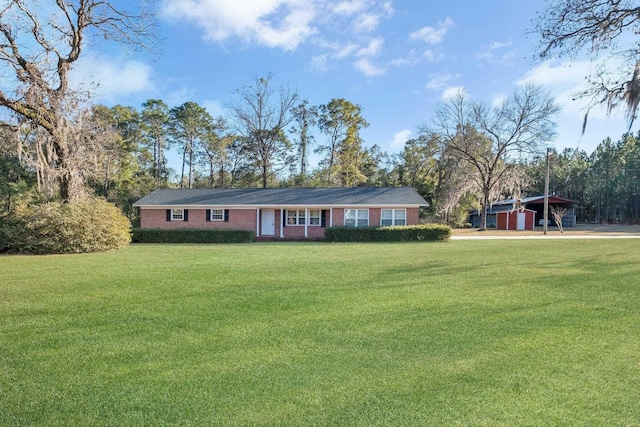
458, 333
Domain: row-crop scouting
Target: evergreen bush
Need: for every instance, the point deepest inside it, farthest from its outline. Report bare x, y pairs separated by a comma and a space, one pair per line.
87, 225
190, 235
408, 233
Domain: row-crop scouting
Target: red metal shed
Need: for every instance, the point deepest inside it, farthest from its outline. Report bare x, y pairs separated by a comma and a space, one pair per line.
516, 219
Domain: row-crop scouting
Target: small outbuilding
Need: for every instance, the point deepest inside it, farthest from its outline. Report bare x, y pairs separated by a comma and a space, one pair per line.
506, 217
516, 219
504, 214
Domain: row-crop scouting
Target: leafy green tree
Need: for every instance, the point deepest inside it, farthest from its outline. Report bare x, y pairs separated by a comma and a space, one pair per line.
15, 178
123, 164
214, 152
375, 165
190, 125
341, 121
154, 123
417, 165
630, 180
613, 180
305, 118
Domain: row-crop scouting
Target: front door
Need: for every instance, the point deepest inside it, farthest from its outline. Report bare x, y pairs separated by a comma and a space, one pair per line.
268, 222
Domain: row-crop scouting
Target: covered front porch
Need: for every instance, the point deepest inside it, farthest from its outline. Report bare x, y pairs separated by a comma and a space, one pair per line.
292, 222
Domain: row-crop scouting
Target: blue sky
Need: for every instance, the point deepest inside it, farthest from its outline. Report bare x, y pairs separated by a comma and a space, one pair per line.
397, 59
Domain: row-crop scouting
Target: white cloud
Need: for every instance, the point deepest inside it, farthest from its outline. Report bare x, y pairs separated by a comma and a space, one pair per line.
451, 92
548, 73
387, 8
410, 59
319, 63
438, 81
432, 56
498, 99
432, 35
494, 53
113, 78
374, 48
178, 96
326, 61
348, 8
399, 139
281, 24
366, 54
345, 51
565, 81
366, 23
368, 68
215, 108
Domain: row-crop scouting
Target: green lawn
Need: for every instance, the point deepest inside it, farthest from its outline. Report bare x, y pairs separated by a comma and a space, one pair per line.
459, 333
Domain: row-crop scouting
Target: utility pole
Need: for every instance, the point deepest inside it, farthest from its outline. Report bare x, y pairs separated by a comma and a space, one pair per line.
546, 197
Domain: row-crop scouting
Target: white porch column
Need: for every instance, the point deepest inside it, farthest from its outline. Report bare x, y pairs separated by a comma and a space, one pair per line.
330, 217
306, 221
257, 222
282, 220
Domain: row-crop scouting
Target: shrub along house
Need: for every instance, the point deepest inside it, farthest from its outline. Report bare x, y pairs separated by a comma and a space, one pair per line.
280, 213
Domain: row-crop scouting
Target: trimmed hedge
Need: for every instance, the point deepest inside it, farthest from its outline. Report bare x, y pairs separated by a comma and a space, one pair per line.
87, 225
405, 233
190, 235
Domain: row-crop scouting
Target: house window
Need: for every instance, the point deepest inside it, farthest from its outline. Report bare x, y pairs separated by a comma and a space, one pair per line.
356, 217
295, 217
217, 214
314, 217
177, 214
393, 217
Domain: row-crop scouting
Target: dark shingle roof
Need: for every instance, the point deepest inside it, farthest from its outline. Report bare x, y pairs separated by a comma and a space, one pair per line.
284, 197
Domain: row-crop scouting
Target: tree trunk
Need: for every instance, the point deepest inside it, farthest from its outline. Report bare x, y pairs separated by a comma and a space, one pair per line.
485, 206
265, 170
212, 179
71, 185
191, 165
221, 183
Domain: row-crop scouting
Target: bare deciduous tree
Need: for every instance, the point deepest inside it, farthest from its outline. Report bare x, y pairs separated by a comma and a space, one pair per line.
261, 114
601, 29
39, 43
493, 140
557, 213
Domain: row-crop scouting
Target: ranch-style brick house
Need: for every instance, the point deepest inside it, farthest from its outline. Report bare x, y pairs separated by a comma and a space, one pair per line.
280, 213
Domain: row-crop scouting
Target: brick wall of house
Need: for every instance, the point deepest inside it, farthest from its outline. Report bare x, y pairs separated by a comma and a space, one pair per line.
374, 217
295, 232
245, 219
413, 216
239, 219
338, 217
